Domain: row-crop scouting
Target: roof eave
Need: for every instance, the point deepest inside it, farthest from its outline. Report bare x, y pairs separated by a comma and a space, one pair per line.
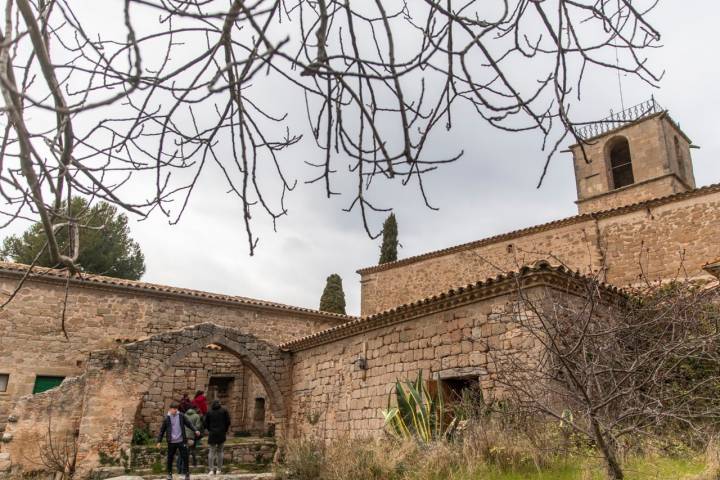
714, 188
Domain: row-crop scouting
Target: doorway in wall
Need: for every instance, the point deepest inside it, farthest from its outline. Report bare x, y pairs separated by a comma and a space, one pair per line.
219, 388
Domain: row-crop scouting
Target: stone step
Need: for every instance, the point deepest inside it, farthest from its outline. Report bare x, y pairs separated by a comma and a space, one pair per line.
225, 476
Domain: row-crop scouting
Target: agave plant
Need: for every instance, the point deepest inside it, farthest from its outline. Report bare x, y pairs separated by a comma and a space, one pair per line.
418, 414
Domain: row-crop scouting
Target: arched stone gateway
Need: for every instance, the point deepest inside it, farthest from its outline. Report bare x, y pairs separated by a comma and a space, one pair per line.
98, 409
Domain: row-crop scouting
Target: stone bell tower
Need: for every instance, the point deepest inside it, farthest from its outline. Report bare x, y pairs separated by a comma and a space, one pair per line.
631, 156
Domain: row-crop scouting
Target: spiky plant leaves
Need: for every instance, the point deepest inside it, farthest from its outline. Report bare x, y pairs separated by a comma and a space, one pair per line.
417, 413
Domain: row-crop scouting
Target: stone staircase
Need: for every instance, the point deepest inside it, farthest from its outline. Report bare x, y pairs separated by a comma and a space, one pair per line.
245, 458
227, 476
116, 473
251, 453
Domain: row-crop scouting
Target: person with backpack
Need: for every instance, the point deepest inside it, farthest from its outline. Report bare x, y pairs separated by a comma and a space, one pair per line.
185, 403
200, 402
217, 423
197, 423
173, 429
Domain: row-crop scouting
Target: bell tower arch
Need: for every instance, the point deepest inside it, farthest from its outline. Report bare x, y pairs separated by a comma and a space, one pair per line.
631, 156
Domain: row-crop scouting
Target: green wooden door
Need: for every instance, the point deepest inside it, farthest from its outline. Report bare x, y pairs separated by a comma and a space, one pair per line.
43, 383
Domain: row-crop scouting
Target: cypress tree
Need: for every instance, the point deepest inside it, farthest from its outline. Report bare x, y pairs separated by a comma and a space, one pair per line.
333, 297
388, 250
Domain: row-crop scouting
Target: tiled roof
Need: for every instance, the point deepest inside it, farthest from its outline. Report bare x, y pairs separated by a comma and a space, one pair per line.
99, 281
540, 273
714, 188
713, 268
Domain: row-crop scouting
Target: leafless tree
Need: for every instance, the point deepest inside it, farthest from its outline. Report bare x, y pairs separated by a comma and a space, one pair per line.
616, 366
132, 101
57, 453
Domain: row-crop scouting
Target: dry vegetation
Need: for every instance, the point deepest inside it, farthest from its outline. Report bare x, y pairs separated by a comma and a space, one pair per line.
626, 388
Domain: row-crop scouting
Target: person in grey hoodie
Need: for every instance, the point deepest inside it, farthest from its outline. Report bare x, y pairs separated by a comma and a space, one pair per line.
173, 430
197, 423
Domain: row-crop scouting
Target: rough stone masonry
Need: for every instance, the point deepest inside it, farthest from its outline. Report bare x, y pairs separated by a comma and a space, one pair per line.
132, 347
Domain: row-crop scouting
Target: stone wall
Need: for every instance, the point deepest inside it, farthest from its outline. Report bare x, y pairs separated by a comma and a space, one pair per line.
458, 335
653, 188
258, 417
99, 408
196, 372
653, 156
659, 239
47, 429
101, 315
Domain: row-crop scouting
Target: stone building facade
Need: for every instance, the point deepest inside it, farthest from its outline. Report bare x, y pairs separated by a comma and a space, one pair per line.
657, 227
134, 347
104, 313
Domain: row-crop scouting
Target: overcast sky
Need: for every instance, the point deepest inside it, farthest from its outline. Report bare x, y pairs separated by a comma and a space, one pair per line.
489, 191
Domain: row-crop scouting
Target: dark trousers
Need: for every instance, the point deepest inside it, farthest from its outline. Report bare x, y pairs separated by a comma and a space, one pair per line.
180, 448
192, 453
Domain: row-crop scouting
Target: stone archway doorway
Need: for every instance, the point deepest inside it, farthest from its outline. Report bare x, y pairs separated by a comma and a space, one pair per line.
100, 406
121, 378
221, 375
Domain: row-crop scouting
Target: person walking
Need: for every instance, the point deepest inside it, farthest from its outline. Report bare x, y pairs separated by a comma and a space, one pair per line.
217, 423
185, 403
200, 402
197, 423
173, 430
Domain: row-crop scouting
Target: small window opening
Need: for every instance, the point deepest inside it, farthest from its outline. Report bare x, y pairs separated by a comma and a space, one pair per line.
4, 380
259, 411
219, 388
44, 383
463, 397
621, 164
456, 390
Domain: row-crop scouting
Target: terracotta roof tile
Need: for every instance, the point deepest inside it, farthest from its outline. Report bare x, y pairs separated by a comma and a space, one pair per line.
714, 188
56, 275
452, 297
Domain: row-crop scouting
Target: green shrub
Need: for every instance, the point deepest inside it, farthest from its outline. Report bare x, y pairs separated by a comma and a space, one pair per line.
142, 436
157, 467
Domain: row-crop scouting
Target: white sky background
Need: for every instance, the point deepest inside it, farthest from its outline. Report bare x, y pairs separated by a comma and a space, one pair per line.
490, 190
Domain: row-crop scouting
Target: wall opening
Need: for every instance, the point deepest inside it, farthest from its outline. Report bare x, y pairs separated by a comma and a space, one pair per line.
223, 376
220, 388
44, 383
621, 164
4, 380
455, 390
259, 414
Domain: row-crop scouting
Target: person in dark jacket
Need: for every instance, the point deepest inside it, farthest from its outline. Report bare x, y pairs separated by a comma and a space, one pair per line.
185, 403
217, 423
200, 402
173, 430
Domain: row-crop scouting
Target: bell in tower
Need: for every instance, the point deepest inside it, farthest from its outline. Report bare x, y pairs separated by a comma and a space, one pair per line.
631, 156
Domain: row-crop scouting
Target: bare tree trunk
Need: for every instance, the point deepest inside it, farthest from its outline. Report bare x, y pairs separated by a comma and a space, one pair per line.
608, 451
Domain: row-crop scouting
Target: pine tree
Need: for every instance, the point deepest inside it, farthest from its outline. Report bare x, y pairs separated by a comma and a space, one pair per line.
388, 250
106, 247
333, 297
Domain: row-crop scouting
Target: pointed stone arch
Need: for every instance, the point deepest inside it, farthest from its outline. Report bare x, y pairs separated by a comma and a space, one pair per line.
265, 360
117, 379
